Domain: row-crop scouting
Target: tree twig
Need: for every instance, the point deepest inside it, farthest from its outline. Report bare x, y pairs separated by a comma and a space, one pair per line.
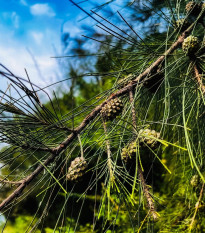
198, 79
196, 208
131, 97
145, 188
109, 160
81, 146
147, 194
10, 182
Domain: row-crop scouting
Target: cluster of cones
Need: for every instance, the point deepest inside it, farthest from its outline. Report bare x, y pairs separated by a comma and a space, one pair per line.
146, 138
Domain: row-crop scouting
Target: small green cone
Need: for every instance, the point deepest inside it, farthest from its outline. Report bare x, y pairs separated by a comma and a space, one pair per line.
129, 152
149, 138
194, 181
76, 169
190, 45
182, 24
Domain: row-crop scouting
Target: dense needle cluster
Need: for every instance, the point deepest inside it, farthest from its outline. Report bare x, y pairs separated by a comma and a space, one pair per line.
76, 169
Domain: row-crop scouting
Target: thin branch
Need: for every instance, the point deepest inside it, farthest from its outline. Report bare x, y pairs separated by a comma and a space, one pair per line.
145, 188
94, 113
147, 194
5, 92
198, 79
109, 160
10, 182
196, 207
81, 146
134, 123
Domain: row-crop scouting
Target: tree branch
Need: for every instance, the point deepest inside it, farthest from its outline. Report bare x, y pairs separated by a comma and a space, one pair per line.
56, 151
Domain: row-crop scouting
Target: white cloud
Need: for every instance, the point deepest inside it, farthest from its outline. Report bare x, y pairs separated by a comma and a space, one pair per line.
72, 29
15, 57
18, 58
42, 9
15, 19
12, 17
23, 2
37, 36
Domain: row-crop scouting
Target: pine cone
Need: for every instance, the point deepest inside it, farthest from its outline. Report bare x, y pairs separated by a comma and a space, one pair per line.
182, 24
148, 137
112, 109
193, 8
190, 45
76, 169
129, 152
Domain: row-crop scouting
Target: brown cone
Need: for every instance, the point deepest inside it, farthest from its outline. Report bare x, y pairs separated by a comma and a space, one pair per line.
112, 109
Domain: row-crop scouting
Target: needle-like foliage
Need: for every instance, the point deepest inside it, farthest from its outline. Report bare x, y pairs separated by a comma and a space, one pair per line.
123, 150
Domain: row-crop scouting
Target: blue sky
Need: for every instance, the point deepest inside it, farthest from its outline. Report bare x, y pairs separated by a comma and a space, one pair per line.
31, 32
